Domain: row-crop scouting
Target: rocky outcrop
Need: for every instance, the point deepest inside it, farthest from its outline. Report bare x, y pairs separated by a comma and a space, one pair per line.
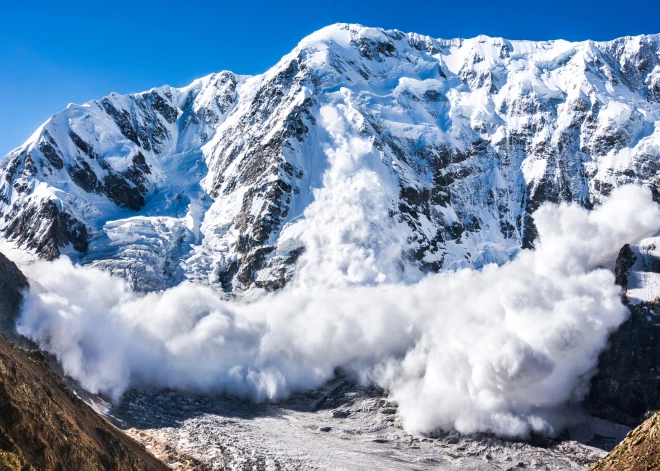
624, 262
12, 284
44, 228
627, 386
640, 451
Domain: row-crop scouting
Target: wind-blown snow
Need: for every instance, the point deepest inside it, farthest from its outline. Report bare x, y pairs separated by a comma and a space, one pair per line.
503, 349
347, 233
362, 159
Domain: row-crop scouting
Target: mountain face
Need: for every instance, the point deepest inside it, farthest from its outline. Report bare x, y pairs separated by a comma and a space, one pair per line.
12, 282
443, 147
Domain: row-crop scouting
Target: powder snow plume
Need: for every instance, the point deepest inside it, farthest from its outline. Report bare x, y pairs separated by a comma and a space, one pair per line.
503, 349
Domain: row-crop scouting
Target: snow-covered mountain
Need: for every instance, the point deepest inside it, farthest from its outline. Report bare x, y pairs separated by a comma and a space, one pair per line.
378, 144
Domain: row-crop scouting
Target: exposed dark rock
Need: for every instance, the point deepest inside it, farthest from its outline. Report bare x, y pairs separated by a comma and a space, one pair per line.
624, 262
83, 176
374, 50
82, 145
141, 163
48, 148
45, 229
159, 104
122, 119
281, 271
226, 276
251, 263
122, 193
12, 283
627, 385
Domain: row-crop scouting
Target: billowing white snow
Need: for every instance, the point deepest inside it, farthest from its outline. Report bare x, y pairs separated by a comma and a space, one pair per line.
503, 349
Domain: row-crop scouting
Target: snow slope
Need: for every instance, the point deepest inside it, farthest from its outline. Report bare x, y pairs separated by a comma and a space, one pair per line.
391, 154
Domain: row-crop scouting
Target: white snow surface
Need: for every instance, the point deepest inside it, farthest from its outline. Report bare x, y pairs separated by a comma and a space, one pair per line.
336, 132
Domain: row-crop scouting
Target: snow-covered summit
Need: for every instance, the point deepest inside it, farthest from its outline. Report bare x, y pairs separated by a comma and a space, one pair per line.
390, 153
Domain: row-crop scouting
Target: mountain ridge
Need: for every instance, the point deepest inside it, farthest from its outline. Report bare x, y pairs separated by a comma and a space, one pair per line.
465, 138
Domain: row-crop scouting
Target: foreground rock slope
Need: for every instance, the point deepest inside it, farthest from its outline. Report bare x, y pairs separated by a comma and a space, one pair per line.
640, 451
43, 425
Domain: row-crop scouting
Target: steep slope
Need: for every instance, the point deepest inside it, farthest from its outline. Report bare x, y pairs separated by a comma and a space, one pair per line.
640, 451
381, 143
43, 425
12, 281
626, 385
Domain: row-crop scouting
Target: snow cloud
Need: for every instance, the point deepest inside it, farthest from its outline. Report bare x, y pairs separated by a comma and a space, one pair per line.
502, 349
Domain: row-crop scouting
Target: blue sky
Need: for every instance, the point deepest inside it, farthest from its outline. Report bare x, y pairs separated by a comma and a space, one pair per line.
54, 53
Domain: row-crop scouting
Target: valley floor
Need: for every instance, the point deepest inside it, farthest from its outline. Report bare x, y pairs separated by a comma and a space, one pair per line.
341, 426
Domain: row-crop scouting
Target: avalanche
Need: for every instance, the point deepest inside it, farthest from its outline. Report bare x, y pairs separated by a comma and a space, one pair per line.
458, 142
505, 349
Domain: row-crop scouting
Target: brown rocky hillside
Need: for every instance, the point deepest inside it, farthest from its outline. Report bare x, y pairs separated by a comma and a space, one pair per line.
43, 425
640, 451
12, 281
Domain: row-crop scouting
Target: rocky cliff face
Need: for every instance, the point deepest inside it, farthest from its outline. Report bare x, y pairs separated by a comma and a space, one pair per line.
12, 283
460, 139
626, 388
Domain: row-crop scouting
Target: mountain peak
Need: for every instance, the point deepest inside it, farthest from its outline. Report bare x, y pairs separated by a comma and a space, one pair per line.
466, 138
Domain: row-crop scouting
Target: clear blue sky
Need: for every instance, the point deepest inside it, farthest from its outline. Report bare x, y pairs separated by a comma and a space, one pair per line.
53, 53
